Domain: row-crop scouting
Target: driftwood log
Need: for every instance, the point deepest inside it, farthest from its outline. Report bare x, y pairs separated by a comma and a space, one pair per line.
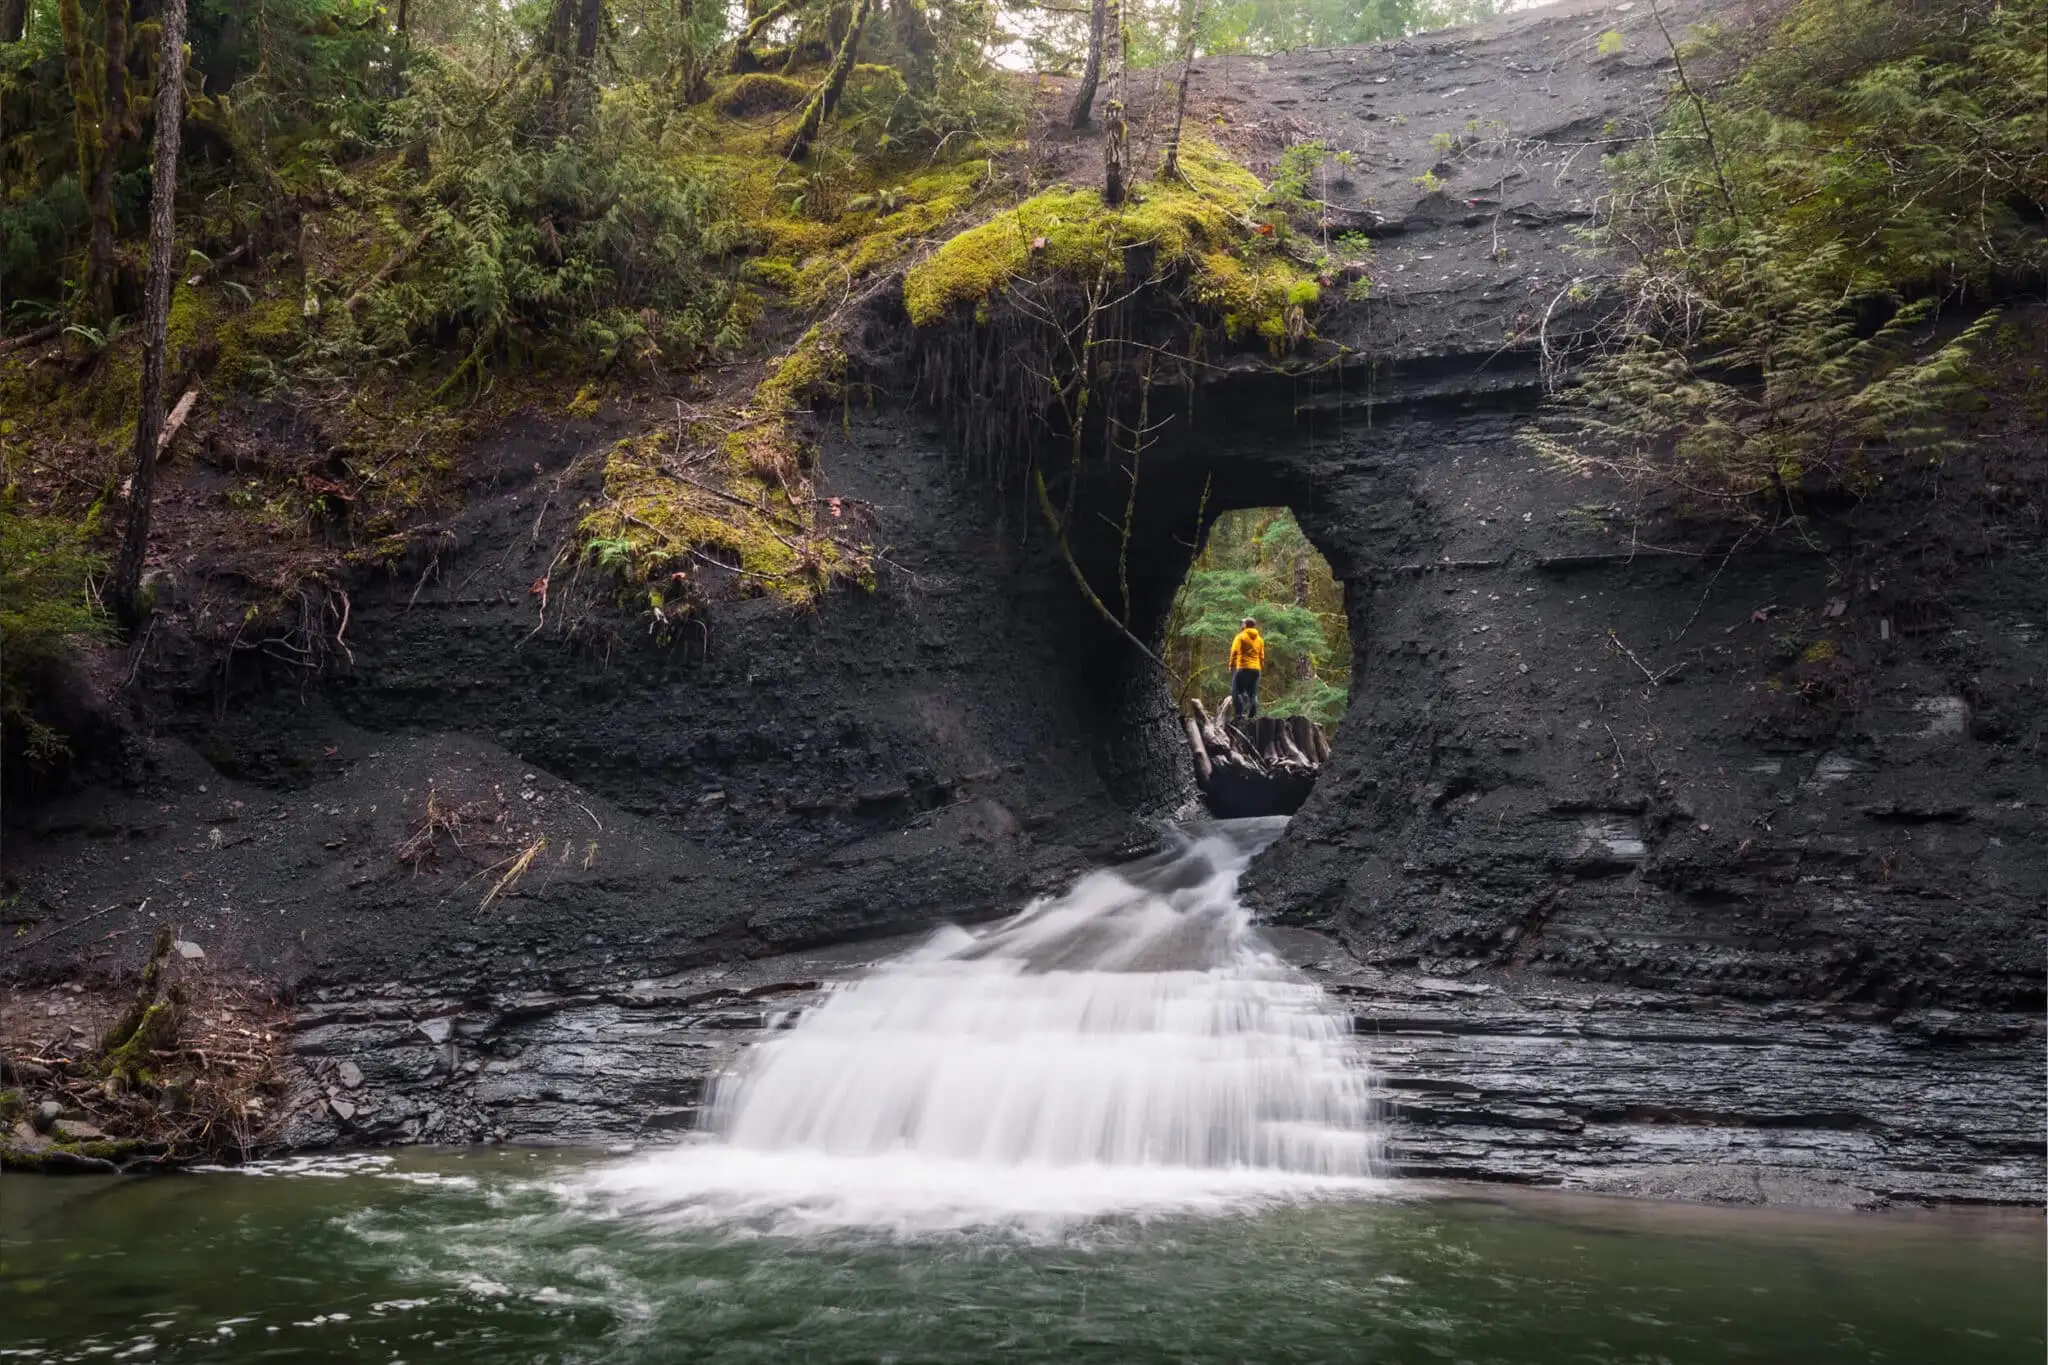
1264, 766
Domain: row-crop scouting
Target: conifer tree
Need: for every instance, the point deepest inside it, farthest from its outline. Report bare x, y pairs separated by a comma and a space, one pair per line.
163, 196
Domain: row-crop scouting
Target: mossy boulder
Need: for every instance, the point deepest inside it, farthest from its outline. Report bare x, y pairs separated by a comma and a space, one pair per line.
758, 93
96, 1156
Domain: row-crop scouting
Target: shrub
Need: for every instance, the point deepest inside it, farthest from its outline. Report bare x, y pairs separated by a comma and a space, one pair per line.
46, 607
598, 245
1791, 242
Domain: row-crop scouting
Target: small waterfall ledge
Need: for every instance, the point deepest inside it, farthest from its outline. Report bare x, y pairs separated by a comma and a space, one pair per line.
1131, 1044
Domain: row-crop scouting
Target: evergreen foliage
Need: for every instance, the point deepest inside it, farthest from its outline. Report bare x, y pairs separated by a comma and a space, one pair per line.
1815, 253
592, 249
47, 566
1258, 563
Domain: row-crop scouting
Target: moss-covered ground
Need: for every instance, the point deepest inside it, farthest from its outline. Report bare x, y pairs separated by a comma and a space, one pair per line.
1202, 224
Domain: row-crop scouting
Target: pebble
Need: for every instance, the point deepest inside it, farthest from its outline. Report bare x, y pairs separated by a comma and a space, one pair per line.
349, 1074
342, 1108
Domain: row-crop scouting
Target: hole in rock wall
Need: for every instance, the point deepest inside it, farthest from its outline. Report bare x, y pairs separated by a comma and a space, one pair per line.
1257, 738
1208, 538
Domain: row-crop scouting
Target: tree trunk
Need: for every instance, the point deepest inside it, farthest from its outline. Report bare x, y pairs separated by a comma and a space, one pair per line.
1170, 167
1116, 148
163, 199
689, 72
822, 104
113, 133
1304, 666
920, 47
401, 54
583, 75
100, 125
1203, 768
557, 49
1084, 96
13, 20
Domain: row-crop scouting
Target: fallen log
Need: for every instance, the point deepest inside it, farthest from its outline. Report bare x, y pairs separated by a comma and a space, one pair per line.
1204, 769
40, 334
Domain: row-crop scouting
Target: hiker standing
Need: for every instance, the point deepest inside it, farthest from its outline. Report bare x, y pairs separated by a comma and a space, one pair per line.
1247, 657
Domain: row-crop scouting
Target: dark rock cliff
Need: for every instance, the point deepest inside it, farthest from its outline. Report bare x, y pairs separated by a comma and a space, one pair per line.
1583, 747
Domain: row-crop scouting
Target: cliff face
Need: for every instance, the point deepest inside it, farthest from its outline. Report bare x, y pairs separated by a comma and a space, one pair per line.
1583, 747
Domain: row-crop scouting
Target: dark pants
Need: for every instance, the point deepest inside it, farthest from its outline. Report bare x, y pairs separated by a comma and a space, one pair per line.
1244, 690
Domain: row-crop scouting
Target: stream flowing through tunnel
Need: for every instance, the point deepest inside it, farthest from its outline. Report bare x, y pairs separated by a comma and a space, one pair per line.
1129, 1045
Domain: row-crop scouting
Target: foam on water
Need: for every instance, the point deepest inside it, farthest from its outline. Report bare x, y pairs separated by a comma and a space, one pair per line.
1129, 1046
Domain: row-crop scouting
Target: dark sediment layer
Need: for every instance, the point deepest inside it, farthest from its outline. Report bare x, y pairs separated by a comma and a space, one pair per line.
1617, 1090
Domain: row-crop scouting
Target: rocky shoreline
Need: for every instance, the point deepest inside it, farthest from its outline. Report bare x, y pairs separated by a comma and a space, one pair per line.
1621, 1091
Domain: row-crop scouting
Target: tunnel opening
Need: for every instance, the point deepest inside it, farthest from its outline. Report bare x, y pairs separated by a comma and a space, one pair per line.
1170, 555
1258, 592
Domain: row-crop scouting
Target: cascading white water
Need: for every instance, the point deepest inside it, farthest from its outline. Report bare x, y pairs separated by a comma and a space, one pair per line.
1129, 1044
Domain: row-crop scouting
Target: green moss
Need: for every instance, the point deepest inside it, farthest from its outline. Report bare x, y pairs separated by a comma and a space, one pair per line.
774, 272
128, 1061
1201, 226
653, 527
58, 1156
883, 218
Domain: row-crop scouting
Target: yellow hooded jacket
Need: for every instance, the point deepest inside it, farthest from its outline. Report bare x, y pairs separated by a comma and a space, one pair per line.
1248, 650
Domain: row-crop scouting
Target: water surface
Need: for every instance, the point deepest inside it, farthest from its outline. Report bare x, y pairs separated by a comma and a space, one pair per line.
508, 1256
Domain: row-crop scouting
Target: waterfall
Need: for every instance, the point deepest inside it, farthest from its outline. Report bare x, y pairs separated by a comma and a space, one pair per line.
1131, 1042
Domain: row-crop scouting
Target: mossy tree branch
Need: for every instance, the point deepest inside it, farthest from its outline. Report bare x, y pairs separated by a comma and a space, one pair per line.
1116, 147
1170, 166
743, 46
826, 100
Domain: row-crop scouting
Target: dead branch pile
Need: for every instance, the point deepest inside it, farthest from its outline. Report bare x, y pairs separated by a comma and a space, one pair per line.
193, 1068
1264, 766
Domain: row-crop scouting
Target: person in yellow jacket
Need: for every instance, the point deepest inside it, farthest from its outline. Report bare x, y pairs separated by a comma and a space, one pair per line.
1247, 658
